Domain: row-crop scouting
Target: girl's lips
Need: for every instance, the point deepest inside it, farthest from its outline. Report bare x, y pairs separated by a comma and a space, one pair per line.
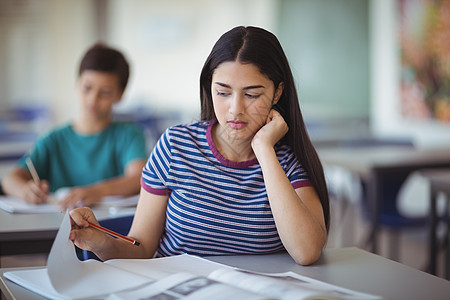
237, 124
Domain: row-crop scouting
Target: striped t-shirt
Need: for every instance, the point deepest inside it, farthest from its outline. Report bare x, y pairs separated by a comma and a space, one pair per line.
216, 206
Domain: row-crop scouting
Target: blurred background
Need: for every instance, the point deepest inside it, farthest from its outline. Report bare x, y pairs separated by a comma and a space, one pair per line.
41, 44
344, 55
353, 62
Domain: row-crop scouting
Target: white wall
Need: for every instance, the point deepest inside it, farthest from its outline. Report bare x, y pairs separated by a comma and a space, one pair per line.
168, 41
386, 117
43, 43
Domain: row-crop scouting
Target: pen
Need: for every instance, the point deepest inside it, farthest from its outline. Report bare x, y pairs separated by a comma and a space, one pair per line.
32, 169
114, 234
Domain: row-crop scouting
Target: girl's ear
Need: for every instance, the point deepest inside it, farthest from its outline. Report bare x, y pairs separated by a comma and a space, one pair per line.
278, 93
276, 98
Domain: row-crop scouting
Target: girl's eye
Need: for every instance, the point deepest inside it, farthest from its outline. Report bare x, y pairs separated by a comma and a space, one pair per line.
252, 96
222, 94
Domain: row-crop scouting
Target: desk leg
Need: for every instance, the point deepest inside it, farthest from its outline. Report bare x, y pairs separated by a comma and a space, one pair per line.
432, 255
447, 236
374, 189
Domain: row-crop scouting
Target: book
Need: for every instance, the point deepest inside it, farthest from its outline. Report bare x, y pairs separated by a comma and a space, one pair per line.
229, 283
176, 277
16, 205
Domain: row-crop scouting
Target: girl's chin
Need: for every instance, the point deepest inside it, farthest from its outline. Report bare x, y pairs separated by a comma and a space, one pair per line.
241, 134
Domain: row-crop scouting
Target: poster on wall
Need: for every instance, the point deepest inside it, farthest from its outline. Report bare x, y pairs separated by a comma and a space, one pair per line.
424, 39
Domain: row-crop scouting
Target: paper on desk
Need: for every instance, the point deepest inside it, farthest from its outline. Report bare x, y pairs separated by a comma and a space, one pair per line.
69, 278
15, 205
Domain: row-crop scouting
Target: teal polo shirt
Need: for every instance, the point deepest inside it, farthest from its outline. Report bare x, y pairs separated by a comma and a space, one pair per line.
67, 159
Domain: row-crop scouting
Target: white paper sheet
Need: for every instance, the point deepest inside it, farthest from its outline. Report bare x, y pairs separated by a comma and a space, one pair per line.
71, 278
158, 268
15, 205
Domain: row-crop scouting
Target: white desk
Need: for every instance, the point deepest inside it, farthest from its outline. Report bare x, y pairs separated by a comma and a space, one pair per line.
346, 267
379, 166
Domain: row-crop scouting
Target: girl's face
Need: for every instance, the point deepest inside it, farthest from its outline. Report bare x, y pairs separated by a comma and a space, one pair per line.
98, 92
242, 99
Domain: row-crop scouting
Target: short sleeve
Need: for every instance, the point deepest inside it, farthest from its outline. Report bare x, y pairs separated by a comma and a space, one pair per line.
295, 172
40, 155
156, 171
134, 145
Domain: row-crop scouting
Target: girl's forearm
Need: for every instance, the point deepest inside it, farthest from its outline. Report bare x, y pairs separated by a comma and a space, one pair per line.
302, 234
115, 248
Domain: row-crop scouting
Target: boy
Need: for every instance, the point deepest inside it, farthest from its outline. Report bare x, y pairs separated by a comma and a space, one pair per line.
93, 156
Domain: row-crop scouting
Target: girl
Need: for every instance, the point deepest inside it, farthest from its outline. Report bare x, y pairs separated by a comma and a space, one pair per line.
244, 180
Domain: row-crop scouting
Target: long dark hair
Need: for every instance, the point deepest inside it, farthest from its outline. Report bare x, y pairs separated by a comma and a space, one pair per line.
261, 48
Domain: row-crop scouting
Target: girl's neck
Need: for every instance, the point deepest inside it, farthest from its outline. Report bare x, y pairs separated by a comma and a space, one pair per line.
232, 149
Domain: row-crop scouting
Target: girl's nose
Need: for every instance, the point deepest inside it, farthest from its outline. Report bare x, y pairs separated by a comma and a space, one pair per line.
237, 105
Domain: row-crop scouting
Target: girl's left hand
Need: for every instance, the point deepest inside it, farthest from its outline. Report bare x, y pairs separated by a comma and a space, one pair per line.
273, 131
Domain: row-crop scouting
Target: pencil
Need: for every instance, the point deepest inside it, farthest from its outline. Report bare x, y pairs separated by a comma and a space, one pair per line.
32, 169
114, 234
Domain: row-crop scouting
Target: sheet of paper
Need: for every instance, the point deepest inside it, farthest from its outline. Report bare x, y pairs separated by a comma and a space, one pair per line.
287, 285
158, 268
187, 286
71, 278
15, 205
35, 280
76, 278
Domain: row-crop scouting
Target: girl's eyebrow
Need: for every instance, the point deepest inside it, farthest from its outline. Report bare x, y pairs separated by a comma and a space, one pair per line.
245, 88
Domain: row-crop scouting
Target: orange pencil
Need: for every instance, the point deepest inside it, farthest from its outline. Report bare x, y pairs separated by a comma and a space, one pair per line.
114, 234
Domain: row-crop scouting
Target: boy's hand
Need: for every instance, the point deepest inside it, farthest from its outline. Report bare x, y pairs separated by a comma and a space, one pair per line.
36, 193
80, 196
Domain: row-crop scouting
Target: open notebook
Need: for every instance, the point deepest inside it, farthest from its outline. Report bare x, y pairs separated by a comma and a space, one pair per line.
14, 205
177, 277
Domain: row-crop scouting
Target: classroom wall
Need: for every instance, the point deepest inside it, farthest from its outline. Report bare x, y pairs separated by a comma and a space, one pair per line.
168, 42
343, 54
41, 42
327, 43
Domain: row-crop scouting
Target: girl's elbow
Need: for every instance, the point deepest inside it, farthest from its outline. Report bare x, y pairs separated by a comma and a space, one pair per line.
307, 255
306, 260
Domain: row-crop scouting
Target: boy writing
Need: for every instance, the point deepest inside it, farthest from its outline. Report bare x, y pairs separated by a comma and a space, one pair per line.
93, 156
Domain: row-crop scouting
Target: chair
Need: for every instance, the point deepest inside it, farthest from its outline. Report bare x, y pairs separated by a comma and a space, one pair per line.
119, 225
389, 216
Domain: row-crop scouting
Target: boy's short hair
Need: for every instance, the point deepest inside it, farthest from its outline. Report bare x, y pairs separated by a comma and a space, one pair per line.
105, 59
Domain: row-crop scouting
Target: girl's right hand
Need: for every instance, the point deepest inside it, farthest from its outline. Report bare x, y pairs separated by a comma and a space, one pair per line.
83, 235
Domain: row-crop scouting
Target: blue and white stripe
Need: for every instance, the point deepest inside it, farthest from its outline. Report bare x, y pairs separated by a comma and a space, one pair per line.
215, 207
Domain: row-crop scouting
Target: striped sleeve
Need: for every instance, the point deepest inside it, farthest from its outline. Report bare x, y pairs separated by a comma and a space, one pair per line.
157, 168
295, 172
